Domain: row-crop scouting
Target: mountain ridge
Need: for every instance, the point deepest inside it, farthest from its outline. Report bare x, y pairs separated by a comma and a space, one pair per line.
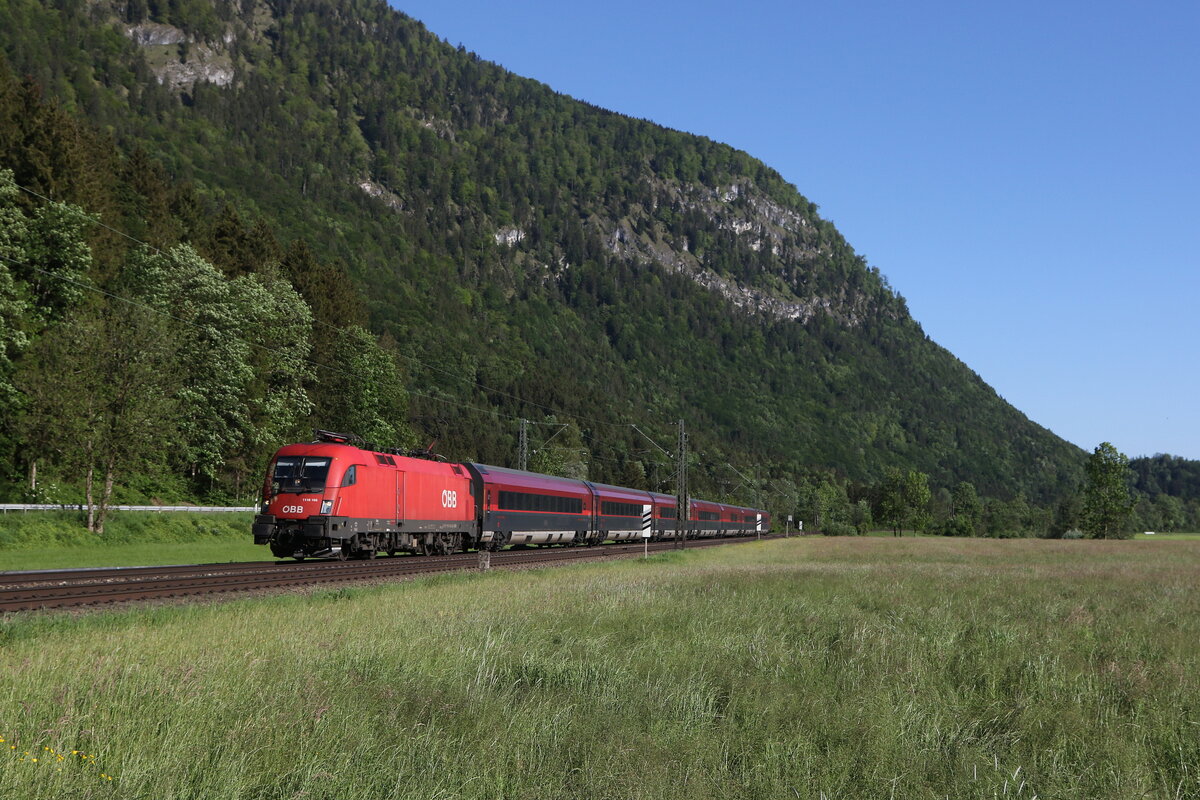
568, 255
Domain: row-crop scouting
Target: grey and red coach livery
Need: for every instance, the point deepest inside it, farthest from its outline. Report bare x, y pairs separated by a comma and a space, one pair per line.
332, 498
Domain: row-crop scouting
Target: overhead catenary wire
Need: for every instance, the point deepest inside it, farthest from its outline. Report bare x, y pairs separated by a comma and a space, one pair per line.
95, 220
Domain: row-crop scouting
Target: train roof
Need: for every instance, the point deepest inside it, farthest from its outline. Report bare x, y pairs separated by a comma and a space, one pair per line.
608, 490
528, 480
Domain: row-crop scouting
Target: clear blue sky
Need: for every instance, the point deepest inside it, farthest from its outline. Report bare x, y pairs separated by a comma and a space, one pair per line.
1026, 174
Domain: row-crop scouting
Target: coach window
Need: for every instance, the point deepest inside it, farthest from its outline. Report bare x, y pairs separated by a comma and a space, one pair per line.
350, 477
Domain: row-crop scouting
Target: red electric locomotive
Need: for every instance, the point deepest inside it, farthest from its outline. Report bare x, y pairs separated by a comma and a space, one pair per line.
332, 498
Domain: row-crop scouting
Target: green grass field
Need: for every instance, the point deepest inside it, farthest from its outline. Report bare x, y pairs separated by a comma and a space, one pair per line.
1167, 536
127, 555
57, 540
807, 668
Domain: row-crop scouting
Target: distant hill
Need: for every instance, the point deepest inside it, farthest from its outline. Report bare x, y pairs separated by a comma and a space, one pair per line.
1165, 474
528, 254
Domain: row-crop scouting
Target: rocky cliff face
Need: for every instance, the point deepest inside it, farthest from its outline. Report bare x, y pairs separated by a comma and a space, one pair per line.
178, 60
750, 218
757, 223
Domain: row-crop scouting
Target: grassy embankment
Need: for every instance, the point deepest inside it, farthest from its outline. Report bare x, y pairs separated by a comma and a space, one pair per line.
58, 540
814, 668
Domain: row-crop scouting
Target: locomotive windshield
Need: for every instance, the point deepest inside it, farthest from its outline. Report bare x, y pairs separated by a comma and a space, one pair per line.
300, 474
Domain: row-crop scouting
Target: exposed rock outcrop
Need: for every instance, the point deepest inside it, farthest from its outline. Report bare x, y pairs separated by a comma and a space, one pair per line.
178, 61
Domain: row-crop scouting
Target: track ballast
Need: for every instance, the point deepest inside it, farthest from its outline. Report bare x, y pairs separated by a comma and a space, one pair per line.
26, 591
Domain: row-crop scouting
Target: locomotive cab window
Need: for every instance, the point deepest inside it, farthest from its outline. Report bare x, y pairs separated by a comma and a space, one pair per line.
300, 474
351, 476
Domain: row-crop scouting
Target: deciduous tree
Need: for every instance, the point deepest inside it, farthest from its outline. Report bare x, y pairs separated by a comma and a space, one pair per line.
904, 499
369, 398
243, 345
1106, 499
99, 390
965, 504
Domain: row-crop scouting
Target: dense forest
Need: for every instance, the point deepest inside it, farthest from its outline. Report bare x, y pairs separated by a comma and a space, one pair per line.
270, 216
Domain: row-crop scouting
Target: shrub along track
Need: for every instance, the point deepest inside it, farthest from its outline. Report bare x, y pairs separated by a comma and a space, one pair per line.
25, 591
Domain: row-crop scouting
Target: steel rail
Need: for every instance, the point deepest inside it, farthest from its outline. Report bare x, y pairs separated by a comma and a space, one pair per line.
24, 591
23, 507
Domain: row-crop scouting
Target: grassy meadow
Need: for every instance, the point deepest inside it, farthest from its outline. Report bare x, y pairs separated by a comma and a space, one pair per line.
58, 540
1161, 536
808, 668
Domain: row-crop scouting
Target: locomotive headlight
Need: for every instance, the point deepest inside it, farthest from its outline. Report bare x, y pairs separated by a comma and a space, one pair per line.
326, 506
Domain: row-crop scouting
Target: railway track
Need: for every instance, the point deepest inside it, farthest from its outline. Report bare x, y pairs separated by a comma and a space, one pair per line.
26, 591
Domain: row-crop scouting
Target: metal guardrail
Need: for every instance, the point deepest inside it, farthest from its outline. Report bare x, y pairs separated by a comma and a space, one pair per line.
6, 507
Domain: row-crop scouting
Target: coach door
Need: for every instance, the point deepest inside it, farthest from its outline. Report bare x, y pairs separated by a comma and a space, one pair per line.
593, 516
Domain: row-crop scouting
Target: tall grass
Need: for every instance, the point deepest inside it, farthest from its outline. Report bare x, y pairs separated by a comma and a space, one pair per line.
835, 668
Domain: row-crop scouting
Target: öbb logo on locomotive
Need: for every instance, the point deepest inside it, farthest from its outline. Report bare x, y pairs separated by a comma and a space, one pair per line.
395, 502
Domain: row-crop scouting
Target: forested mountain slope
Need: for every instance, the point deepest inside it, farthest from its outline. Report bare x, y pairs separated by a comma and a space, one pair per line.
524, 254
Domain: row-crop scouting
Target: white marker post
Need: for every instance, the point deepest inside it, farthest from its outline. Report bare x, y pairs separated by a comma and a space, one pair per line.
647, 524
